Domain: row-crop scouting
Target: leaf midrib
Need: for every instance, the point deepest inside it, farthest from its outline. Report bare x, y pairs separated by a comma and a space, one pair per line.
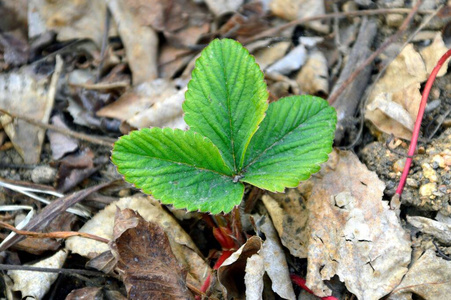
281, 138
232, 141
181, 163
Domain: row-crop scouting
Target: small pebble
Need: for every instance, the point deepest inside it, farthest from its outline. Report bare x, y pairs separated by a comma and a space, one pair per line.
398, 166
394, 20
124, 193
427, 189
43, 175
439, 160
429, 172
412, 182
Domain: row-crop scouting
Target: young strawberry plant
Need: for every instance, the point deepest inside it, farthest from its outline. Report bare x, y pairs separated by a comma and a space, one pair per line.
230, 140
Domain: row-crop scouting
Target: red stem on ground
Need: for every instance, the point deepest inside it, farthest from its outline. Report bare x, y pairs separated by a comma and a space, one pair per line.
416, 129
299, 281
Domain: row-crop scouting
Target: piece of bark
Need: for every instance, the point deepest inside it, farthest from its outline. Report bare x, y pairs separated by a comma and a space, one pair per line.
347, 103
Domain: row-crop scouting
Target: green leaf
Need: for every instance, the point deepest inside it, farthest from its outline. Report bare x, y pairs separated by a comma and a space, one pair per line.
178, 167
226, 99
293, 140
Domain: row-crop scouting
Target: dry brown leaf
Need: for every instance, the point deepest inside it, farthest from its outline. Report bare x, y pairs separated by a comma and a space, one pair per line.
314, 75
71, 19
182, 246
138, 99
298, 9
219, 7
60, 144
140, 42
353, 233
289, 215
85, 293
146, 263
34, 103
393, 104
232, 271
428, 278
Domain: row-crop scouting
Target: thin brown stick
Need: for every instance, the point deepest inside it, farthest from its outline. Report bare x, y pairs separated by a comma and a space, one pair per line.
55, 234
276, 30
84, 137
375, 54
52, 270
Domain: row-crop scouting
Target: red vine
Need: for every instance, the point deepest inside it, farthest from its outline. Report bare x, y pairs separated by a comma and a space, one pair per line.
416, 129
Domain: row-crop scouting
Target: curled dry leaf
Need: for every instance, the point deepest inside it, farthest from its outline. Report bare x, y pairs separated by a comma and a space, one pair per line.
289, 215
353, 233
154, 103
275, 263
146, 263
232, 271
394, 102
428, 278
182, 246
37, 284
253, 277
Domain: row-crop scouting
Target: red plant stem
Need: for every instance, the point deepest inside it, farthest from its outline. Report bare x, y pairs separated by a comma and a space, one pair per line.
416, 129
301, 283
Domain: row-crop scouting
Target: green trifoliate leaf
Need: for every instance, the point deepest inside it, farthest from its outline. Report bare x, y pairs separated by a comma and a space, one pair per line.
293, 140
226, 99
178, 167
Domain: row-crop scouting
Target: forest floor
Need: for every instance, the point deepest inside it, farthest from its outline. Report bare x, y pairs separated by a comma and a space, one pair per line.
77, 75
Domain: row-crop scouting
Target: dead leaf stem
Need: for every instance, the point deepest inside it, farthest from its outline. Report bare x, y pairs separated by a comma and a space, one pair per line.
53, 235
371, 12
103, 141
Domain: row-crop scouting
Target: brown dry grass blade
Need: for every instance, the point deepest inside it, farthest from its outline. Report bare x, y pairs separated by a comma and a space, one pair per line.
51, 211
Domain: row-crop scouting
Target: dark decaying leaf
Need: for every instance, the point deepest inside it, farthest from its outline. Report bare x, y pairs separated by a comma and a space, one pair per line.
231, 273
146, 263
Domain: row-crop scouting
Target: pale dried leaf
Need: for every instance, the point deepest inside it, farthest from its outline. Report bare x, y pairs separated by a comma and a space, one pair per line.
253, 278
275, 262
34, 103
71, 19
354, 234
441, 231
290, 62
182, 246
314, 75
289, 216
37, 284
268, 55
299, 9
61, 144
432, 54
428, 278
394, 102
219, 7
138, 99
167, 112
140, 42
